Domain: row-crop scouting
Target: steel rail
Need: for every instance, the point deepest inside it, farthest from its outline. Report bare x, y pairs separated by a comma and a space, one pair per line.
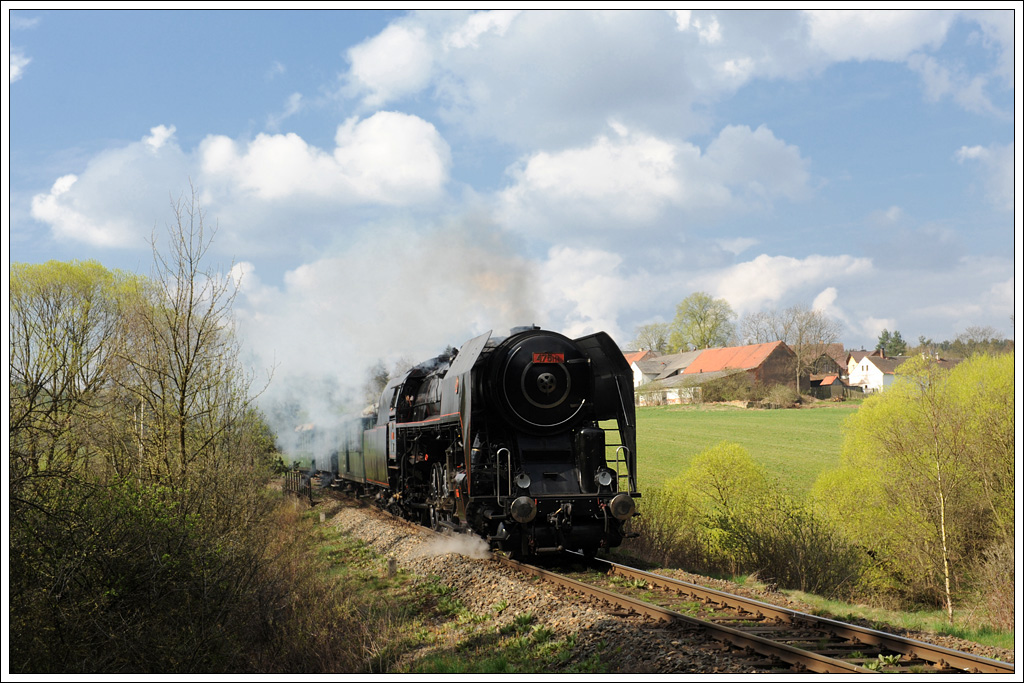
801, 660
937, 655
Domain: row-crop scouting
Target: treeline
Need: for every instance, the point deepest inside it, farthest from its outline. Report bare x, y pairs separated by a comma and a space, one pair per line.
143, 537
920, 512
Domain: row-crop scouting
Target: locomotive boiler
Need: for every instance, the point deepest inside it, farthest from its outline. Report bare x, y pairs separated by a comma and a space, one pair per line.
527, 440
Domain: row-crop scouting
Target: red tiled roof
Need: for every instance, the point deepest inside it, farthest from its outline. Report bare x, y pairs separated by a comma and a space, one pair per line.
635, 356
738, 357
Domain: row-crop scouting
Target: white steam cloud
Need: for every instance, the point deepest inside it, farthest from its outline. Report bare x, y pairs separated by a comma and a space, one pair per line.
396, 296
462, 544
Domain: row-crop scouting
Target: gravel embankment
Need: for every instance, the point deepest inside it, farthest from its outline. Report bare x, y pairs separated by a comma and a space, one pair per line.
641, 646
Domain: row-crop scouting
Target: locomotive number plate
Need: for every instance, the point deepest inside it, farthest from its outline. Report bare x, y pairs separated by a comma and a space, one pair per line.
548, 357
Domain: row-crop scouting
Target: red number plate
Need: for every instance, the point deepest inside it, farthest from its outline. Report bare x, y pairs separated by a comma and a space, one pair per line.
549, 358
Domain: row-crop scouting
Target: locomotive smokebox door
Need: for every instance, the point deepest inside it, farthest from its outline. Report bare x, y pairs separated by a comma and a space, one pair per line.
542, 381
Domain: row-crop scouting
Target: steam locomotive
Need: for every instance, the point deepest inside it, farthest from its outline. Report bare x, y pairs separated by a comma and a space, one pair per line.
528, 441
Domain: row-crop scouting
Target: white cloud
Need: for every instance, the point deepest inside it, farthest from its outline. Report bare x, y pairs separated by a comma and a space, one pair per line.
119, 197
293, 105
395, 63
158, 136
877, 34
532, 78
707, 28
768, 280
997, 171
585, 291
18, 64
737, 245
634, 178
467, 35
939, 80
389, 158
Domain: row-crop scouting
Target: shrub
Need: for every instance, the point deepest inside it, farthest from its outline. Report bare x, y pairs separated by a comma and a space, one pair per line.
780, 395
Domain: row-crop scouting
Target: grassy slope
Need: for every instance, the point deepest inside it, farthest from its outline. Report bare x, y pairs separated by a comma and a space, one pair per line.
795, 446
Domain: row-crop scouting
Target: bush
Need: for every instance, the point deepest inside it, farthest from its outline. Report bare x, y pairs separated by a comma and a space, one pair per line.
131, 579
780, 396
733, 387
725, 515
994, 585
668, 532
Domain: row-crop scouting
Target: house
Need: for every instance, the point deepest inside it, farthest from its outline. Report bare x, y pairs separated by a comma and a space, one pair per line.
823, 366
635, 356
658, 375
683, 375
838, 354
830, 386
876, 371
765, 364
853, 359
655, 368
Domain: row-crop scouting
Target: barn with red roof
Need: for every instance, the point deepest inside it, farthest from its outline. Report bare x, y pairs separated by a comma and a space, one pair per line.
765, 364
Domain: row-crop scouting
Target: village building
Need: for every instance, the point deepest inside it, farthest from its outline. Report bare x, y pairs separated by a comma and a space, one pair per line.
873, 371
682, 376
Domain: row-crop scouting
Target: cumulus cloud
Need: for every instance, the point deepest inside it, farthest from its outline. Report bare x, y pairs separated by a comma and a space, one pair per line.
468, 33
769, 280
883, 34
585, 290
158, 136
390, 158
709, 30
395, 63
116, 200
632, 178
530, 78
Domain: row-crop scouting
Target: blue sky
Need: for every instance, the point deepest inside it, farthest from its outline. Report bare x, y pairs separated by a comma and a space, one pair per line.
387, 183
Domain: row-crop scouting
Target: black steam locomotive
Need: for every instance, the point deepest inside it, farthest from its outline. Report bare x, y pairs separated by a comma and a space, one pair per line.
528, 441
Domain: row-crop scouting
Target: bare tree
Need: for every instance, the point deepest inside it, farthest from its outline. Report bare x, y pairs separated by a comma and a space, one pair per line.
808, 332
183, 353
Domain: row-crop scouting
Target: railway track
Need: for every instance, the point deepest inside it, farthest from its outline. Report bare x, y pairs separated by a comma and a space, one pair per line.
786, 639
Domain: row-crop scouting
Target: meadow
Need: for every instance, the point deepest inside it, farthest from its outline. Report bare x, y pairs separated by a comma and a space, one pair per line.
794, 446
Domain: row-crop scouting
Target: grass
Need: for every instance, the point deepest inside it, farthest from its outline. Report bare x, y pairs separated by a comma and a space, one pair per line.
795, 446
414, 625
881, 619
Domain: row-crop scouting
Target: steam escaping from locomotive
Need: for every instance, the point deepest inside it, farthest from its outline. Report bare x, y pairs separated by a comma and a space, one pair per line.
528, 441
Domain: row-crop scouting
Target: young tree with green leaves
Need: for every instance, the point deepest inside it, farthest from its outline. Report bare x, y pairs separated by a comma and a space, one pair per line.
925, 483
701, 322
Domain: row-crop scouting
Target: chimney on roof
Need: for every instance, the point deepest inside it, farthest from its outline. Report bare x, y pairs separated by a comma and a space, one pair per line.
882, 349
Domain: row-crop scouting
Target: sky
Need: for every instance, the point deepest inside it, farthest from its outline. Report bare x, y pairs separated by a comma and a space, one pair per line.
386, 183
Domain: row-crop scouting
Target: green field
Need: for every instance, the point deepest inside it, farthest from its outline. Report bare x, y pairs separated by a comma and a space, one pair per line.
795, 446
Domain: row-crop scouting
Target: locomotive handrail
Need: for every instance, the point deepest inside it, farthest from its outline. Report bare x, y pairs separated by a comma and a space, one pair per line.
508, 468
622, 460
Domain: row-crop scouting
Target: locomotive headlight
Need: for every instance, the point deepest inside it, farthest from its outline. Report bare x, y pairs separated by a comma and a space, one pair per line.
524, 509
622, 506
523, 480
603, 478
